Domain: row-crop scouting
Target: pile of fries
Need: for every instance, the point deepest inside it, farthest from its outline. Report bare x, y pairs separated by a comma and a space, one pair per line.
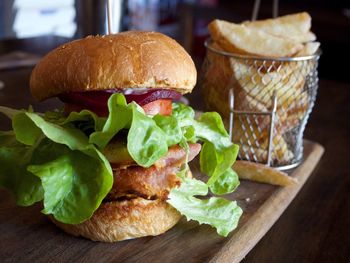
254, 72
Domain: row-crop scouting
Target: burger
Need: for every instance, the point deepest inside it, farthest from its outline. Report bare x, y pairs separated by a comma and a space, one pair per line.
113, 163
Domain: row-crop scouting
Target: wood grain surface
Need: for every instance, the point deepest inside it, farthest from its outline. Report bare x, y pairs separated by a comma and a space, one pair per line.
28, 236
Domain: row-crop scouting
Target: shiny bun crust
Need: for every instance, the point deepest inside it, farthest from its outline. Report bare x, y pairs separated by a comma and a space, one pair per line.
120, 220
132, 59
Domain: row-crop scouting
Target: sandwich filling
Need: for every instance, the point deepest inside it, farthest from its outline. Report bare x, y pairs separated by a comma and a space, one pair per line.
154, 182
129, 179
119, 145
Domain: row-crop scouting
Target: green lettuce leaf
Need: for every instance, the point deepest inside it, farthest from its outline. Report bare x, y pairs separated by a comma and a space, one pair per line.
182, 112
210, 129
218, 212
170, 127
226, 183
72, 137
74, 185
14, 176
85, 120
25, 131
189, 134
146, 141
120, 117
51, 151
218, 153
14, 159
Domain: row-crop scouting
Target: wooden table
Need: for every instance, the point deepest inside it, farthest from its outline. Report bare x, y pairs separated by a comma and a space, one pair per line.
315, 227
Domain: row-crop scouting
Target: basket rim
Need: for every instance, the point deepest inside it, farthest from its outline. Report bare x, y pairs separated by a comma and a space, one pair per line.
209, 40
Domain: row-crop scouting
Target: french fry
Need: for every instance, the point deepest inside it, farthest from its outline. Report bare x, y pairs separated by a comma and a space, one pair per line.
254, 81
255, 89
262, 174
259, 84
295, 27
254, 141
241, 39
260, 155
219, 79
309, 48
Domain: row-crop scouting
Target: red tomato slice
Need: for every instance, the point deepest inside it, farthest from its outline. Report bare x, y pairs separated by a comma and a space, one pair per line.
162, 107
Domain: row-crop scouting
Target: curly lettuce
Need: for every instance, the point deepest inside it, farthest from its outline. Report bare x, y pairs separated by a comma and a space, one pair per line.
218, 212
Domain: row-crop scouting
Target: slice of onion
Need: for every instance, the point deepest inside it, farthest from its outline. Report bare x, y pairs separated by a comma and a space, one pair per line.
153, 95
97, 100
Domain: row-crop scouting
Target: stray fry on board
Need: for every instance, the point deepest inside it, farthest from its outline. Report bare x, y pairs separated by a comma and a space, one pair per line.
262, 174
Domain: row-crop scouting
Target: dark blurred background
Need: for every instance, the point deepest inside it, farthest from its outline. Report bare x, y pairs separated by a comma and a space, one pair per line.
38, 26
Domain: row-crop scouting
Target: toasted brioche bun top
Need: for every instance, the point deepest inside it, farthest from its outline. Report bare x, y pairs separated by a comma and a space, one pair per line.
133, 59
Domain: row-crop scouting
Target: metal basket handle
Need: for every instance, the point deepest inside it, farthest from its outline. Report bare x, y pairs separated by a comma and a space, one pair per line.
257, 7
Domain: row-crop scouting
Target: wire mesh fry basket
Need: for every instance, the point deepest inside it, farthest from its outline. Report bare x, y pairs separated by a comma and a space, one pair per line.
265, 102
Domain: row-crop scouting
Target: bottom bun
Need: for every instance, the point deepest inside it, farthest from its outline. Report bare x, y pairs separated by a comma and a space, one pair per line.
120, 220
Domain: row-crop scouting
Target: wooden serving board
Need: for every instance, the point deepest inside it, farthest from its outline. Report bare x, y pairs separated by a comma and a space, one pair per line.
26, 235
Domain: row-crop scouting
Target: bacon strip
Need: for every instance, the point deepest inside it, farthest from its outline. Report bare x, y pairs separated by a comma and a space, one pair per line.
154, 182
178, 154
